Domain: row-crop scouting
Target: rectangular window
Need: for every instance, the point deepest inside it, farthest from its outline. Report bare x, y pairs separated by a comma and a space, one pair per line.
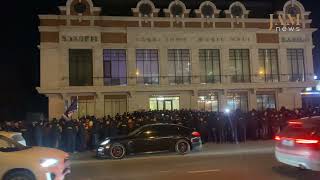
164, 103
80, 67
115, 67
265, 101
147, 66
179, 66
237, 100
268, 65
239, 63
208, 102
209, 65
115, 104
296, 64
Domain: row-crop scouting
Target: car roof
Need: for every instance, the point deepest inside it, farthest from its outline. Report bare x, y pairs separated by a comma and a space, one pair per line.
165, 124
9, 134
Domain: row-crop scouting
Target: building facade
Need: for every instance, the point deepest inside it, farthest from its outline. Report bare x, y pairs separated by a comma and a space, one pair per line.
167, 59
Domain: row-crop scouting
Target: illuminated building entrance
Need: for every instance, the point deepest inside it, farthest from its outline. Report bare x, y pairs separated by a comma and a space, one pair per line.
164, 103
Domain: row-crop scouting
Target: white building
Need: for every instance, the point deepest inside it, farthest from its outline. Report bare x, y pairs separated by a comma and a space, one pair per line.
166, 59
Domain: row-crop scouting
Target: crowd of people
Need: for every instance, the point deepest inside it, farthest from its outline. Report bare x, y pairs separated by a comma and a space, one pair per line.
77, 135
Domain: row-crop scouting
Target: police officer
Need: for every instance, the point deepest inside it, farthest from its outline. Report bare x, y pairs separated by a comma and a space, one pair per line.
38, 133
55, 134
70, 133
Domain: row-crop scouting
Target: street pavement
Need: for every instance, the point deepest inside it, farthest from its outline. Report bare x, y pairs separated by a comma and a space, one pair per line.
250, 161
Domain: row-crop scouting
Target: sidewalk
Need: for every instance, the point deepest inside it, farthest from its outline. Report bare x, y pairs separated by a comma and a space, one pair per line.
210, 149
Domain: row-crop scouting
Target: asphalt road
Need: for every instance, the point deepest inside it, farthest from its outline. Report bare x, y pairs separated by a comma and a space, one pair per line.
253, 165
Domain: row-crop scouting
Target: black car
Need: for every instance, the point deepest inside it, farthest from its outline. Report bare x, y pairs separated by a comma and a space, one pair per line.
151, 138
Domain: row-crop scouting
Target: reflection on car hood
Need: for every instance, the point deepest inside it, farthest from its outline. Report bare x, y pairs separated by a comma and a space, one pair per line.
43, 152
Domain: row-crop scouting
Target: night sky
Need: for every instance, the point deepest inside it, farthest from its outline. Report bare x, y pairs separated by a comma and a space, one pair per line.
20, 55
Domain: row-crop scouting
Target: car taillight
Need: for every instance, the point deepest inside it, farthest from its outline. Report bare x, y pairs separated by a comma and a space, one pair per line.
307, 141
277, 138
196, 134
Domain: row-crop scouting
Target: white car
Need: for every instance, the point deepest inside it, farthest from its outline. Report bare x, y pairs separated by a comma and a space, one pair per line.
31, 163
14, 136
298, 144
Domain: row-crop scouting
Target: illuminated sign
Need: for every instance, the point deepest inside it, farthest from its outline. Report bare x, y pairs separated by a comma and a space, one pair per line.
286, 23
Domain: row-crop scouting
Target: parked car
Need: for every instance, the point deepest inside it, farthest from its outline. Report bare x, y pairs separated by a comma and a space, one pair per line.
14, 136
31, 163
298, 144
151, 138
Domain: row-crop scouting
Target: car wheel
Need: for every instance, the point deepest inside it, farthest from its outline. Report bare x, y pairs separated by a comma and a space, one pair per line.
182, 147
19, 175
117, 151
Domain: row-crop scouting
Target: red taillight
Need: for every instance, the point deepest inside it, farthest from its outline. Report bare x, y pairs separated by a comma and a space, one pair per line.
295, 123
277, 138
196, 134
307, 141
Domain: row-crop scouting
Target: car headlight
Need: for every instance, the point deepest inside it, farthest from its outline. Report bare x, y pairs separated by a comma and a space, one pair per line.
48, 162
105, 142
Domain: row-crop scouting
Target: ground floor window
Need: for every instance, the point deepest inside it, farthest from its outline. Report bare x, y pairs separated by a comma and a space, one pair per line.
265, 101
237, 100
86, 106
164, 103
208, 102
115, 104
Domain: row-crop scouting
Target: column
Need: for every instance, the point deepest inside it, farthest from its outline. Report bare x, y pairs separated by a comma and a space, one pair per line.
283, 64
254, 64
98, 66
131, 66
222, 100
309, 71
195, 71
252, 98
64, 65
55, 106
194, 100
224, 65
99, 105
163, 64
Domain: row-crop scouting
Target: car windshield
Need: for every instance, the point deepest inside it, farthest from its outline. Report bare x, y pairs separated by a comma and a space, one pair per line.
9, 145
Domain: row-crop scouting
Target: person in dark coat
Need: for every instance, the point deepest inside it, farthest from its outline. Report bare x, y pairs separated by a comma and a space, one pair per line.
70, 134
81, 137
38, 134
55, 134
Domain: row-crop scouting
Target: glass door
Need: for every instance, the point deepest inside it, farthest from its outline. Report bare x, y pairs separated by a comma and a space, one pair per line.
168, 105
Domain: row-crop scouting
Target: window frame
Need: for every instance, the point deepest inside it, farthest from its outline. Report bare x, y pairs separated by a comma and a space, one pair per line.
178, 56
120, 81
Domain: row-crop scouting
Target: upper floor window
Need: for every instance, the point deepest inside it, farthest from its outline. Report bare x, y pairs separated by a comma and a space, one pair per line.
207, 10
179, 66
268, 65
147, 66
239, 64
115, 67
236, 11
296, 64
209, 65
145, 9
80, 67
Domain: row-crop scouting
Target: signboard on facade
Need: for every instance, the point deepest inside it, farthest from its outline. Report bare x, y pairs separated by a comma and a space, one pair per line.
79, 37
294, 40
66, 38
163, 37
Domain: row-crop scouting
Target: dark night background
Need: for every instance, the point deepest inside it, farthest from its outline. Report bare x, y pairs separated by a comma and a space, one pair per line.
20, 68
